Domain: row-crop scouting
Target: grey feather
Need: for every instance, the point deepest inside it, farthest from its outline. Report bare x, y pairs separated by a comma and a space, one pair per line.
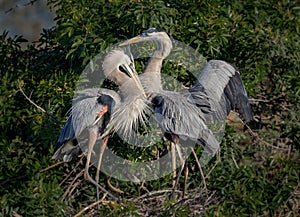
220, 89
82, 115
176, 115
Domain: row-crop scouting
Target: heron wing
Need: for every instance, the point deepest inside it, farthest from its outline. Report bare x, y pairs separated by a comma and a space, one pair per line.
219, 90
82, 116
176, 115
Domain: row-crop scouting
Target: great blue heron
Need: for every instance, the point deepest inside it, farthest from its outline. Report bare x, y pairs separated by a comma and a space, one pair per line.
95, 108
183, 116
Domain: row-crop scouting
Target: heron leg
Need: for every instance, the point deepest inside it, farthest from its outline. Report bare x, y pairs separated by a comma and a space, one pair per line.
177, 179
102, 148
200, 169
173, 163
93, 132
183, 164
92, 141
186, 173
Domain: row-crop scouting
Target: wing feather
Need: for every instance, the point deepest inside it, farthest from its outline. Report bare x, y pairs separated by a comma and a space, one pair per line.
176, 115
221, 89
82, 115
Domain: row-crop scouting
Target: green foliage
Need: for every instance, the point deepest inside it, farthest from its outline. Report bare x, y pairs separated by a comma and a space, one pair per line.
253, 176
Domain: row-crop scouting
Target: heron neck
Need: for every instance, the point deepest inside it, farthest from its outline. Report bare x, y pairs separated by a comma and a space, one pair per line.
164, 47
118, 77
154, 65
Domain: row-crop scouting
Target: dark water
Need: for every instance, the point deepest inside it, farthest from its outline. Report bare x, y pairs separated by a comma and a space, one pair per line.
20, 17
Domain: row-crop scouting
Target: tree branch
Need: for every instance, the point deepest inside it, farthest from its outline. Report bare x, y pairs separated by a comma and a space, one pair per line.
37, 106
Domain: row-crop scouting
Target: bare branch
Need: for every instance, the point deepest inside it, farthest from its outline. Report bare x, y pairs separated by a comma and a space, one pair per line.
90, 206
37, 106
33, 103
256, 136
52, 166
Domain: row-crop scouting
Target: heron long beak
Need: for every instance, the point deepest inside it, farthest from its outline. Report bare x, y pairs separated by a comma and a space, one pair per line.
132, 41
133, 74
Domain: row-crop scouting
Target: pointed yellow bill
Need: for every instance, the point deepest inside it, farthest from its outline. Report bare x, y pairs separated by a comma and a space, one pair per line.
131, 41
133, 74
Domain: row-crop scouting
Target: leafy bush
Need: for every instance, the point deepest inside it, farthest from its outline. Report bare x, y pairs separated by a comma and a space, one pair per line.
254, 175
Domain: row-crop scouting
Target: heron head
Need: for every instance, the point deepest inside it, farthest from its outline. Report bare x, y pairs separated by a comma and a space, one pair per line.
158, 35
117, 59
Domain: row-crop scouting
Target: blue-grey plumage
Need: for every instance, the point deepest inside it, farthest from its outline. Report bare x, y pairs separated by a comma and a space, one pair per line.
219, 89
82, 116
184, 116
93, 109
175, 113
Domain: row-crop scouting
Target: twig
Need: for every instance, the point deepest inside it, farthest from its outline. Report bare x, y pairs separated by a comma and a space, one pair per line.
114, 188
33, 103
37, 106
71, 184
178, 202
151, 193
90, 206
234, 161
72, 170
256, 136
207, 175
51, 166
74, 187
15, 214
207, 200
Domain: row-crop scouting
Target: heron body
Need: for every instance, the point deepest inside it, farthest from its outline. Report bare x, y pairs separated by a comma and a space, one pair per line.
184, 116
132, 109
176, 115
82, 116
218, 90
96, 109
175, 112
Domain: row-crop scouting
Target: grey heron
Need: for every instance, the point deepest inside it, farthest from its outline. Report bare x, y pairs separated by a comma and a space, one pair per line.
184, 116
95, 108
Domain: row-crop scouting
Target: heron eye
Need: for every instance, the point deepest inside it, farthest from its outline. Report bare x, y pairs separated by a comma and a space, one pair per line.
131, 65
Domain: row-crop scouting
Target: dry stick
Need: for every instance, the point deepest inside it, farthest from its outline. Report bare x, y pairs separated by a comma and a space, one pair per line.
178, 202
74, 187
151, 193
37, 106
234, 161
90, 206
15, 214
33, 103
207, 200
200, 168
114, 188
72, 171
255, 135
52, 166
211, 170
71, 185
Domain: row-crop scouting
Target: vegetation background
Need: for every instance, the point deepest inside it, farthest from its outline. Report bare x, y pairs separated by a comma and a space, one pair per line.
256, 172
